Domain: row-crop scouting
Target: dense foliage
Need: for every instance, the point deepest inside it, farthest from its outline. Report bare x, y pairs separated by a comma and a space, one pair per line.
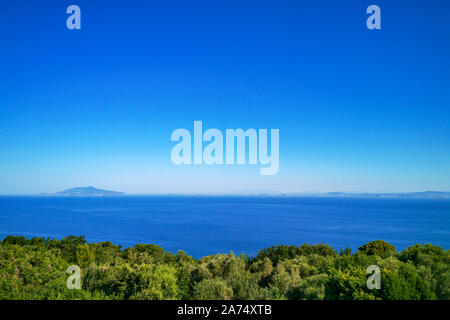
36, 269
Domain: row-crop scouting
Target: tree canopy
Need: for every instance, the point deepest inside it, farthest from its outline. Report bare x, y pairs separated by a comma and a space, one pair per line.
36, 269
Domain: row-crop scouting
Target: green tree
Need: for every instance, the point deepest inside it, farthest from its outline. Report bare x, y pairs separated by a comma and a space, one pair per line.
379, 247
213, 289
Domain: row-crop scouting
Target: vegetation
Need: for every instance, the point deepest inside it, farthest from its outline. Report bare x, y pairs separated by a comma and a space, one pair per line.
36, 269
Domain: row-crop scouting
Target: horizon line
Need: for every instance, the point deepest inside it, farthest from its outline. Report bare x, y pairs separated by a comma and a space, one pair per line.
300, 193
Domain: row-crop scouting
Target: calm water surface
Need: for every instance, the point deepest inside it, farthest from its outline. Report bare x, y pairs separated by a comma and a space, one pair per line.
208, 225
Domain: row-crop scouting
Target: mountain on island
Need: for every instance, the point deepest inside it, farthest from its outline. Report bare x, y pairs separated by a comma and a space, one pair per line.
86, 192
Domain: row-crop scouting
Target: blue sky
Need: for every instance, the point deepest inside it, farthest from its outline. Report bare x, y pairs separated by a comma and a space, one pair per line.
358, 110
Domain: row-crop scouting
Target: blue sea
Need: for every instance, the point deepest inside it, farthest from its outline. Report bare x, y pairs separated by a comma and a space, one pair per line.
208, 225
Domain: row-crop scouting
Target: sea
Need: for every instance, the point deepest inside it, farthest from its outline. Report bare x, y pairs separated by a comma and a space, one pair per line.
204, 225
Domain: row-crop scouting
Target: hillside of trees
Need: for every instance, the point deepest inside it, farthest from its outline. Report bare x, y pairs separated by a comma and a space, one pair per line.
36, 269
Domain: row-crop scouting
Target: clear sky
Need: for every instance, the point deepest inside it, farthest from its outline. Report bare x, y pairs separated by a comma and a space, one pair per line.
358, 110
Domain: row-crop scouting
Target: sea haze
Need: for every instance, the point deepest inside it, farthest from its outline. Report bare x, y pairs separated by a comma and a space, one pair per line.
209, 225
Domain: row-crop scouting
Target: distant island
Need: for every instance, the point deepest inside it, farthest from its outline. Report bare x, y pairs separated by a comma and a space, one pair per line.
95, 192
85, 192
406, 195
